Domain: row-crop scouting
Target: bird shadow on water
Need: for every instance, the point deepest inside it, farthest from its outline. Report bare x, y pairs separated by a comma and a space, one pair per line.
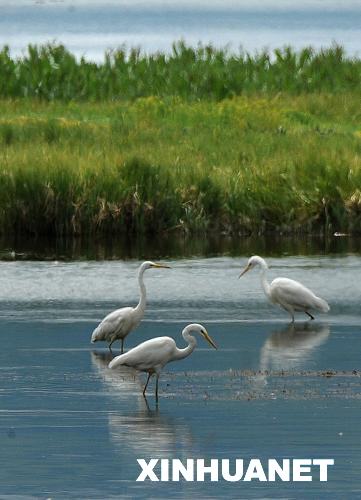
291, 348
143, 431
123, 382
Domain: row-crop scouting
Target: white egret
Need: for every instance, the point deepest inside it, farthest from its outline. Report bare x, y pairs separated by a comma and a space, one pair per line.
152, 355
142, 430
118, 324
287, 293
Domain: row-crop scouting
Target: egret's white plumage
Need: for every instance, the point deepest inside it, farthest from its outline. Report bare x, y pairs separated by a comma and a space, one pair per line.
287, 293
152, 355
118, 324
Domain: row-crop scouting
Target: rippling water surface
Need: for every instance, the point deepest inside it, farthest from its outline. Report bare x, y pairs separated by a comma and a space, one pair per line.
70, 428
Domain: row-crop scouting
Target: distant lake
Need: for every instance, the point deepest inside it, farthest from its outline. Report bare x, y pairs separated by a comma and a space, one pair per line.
90, 28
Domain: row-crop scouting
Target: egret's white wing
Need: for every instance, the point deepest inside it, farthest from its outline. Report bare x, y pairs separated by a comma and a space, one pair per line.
151, 354
292, 293
113, 324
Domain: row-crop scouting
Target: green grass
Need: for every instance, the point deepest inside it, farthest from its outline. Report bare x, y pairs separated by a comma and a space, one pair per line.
51, 73
252, 164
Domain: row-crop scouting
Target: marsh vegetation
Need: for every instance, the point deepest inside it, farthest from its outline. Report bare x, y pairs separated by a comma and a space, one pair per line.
266, 157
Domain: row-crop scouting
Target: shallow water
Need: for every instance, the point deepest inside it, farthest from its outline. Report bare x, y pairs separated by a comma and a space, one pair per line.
71, 428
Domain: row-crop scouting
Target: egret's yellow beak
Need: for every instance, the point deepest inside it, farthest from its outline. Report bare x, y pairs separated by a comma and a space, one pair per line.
208, 339
161, 265
247, 268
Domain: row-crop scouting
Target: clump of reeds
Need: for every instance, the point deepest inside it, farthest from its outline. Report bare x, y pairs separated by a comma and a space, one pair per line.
50, 72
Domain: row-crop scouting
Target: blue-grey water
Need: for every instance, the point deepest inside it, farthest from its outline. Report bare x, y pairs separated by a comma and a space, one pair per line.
89, 28
71, 428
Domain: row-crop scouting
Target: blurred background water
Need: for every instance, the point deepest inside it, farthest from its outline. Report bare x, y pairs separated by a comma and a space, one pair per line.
89, 28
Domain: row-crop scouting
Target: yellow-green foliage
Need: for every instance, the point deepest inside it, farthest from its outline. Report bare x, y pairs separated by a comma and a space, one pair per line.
244, 164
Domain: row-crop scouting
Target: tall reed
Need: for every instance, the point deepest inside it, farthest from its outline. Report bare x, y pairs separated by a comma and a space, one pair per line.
50, 72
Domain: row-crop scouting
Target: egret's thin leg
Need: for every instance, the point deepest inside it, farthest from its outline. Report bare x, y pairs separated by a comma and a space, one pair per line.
310, 315
156, 389
146, 402
290, 312
121, 346
145, 387
110, 347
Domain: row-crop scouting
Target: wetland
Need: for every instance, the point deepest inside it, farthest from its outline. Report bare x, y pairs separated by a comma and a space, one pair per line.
72, 428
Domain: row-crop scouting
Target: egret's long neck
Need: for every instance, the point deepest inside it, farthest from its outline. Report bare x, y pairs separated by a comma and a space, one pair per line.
265, 284
183, 353
143, 294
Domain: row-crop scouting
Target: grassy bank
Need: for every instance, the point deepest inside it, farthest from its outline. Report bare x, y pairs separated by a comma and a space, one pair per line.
248, 164
50, 73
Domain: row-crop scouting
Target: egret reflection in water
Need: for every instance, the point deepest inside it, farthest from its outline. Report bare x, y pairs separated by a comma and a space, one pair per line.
144, 431
289, 347
149, 433
123, 383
